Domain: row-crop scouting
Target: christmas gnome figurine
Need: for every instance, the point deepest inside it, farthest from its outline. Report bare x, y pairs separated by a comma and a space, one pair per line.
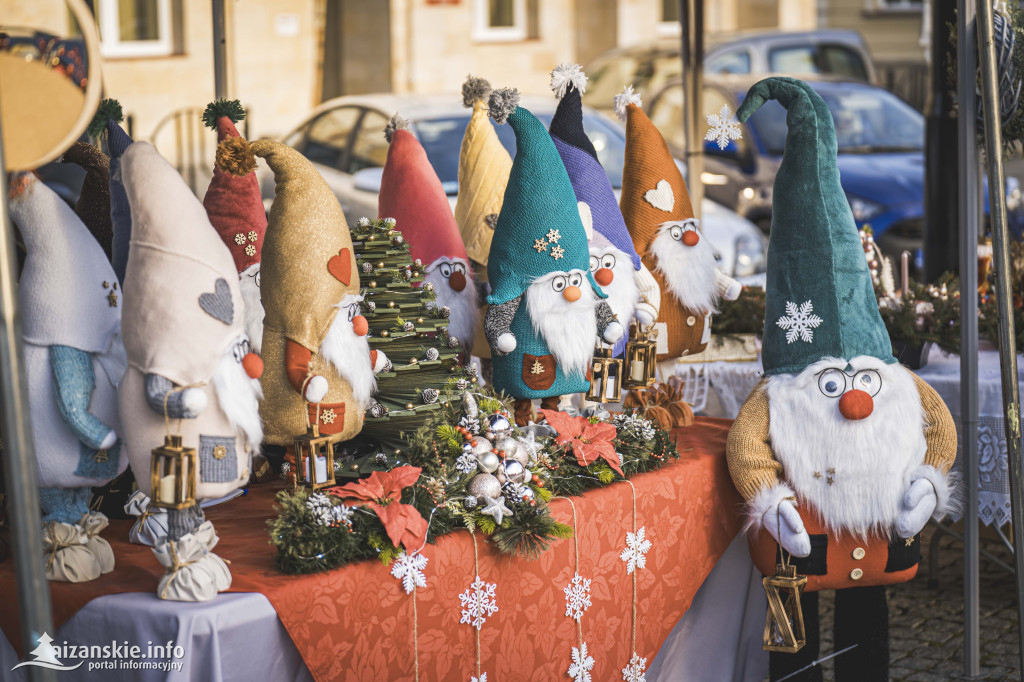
614, 262
93, 205
319, 366
545, 309
841, 454
411, 193
235, 208
657, 210
70, 305
189, 373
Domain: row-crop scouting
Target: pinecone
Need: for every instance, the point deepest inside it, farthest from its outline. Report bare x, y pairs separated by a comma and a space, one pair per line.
377, 410
366, 268
430, 395
409, 327
445, 312
431, 354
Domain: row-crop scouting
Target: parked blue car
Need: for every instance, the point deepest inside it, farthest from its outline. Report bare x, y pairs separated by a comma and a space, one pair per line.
881, 157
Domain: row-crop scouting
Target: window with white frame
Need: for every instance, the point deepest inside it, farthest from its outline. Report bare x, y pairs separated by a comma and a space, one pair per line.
669, 24
136, 28
895, 5
499, 20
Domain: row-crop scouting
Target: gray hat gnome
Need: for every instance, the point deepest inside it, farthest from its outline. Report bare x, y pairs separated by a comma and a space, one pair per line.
190, 372
70, 303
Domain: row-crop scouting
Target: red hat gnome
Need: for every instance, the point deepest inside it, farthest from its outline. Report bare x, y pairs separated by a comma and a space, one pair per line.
841, 454
235, 208
70, 305
190, 374
411, 193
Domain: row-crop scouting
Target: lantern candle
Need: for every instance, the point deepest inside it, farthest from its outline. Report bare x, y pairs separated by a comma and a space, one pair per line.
636, 371
167, 488
905, 273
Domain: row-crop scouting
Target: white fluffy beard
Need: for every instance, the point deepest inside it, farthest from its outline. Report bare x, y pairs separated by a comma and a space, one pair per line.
623, 294
568, 329
462, 304
239, 398
248, 282
872, 457
349, 353
689, 271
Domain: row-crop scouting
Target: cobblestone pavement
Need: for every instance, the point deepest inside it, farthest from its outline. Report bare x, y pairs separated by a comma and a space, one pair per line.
926, 624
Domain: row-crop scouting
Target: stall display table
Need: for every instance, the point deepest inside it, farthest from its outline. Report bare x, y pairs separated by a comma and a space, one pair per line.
357, 623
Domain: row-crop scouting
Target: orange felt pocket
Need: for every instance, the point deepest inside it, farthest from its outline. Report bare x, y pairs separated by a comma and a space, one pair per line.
538, 371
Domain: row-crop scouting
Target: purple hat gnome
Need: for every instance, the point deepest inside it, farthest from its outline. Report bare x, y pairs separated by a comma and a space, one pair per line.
70, 303
191, 381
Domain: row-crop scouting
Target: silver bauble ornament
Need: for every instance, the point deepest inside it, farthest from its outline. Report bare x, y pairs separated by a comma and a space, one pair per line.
514, 471
482, 446
488, 462
484, 484
498, 423
527, 493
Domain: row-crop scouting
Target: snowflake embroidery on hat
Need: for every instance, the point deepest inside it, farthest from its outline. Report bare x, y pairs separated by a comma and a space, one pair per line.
723, 127
577, 597
540, 245
635, 554
634, 672
252, 235
250, 250
553, 236
478, 603
328, 416
482, 678
239, 238
799, 322
582, 664
557, 252
409, 569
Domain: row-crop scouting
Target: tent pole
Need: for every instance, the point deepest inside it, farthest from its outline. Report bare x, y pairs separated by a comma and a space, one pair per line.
691, 24
220, 51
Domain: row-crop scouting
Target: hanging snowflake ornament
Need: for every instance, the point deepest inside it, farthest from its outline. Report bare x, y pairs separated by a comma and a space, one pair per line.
799, 323
577, 597
723, 127
582, 664
408, 568
635, 671
637, 546
478, 603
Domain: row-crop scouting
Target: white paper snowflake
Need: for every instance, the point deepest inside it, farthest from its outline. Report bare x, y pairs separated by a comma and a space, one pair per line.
409, 569
482, 678
723, 127
582, 663
478, 603
635, 554
466, 463
799, 322
577, 597
635, 671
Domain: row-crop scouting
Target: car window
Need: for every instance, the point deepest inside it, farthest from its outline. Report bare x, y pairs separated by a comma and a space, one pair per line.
666, 113
606, 80
442, 140
326, 139
369, 147
733, 61
842, 61
794, 59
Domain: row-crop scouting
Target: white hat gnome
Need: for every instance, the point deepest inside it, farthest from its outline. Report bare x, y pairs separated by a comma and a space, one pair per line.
841, 454
190, 372
70, 303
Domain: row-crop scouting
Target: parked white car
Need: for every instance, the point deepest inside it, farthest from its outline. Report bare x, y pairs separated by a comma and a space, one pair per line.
344, 138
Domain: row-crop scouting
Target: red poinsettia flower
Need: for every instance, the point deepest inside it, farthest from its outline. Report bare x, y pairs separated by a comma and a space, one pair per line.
382, 492
588, 441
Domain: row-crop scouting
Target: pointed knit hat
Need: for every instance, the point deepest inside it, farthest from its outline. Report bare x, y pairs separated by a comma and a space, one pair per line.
308, 263
233, 199
411, 193
183, 305
820, 302
589, 181
93, 205
67, 294
539, 229
107, 118
484, 165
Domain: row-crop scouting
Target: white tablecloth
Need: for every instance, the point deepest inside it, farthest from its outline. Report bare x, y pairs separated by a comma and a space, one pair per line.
729, 383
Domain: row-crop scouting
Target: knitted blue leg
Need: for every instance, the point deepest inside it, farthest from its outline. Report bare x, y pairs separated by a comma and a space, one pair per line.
66, 505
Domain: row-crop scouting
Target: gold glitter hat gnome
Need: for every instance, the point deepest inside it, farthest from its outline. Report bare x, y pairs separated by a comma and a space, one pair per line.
189, 371
318, 364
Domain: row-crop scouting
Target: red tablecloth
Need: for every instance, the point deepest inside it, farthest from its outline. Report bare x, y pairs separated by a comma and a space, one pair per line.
355, 623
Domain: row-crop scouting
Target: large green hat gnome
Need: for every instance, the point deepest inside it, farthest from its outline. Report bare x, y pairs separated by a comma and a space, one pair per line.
841, 454
545, 308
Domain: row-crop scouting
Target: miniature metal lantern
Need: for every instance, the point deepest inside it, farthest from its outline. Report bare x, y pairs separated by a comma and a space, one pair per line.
172, 475
641, 358
605, 377
314, 459
784, 625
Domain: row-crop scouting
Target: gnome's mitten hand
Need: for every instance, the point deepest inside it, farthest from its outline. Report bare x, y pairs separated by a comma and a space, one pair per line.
379, 361
108, 441
612, 333
498, 326
645, 313
194, 401
161, 395
608, 327
727, 287
316, 389
784, 524
916, 508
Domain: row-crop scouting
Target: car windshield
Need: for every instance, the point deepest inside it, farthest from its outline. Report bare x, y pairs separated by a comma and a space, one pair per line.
867, 121
442, 140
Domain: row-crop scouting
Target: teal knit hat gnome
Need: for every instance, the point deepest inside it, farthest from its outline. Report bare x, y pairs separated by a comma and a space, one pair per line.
539, 228
820, 302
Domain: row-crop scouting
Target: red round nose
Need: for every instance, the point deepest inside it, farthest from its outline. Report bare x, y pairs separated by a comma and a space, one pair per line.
457, 281
360, 326
604, 276
253, 365
690, 237
856, 405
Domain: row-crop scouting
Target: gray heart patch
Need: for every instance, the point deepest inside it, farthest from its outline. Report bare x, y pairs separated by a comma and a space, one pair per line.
218, 304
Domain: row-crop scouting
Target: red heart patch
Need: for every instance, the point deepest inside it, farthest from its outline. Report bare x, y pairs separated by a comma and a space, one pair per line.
340, 266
